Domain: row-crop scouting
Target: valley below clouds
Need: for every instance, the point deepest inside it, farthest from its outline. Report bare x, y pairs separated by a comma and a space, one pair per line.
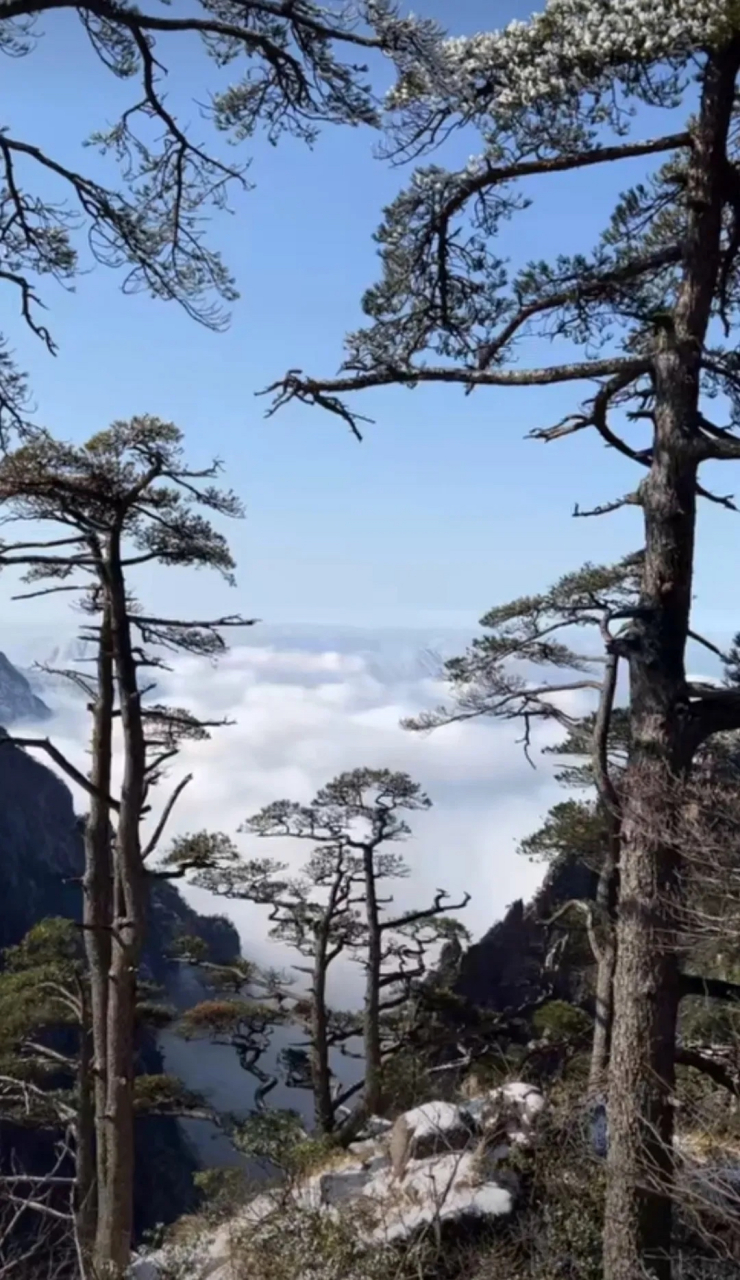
307, 704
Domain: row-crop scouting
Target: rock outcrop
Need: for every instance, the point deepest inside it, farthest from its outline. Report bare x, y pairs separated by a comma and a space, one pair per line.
442, 1165
507, 969
18, 702
42, 860
41, 863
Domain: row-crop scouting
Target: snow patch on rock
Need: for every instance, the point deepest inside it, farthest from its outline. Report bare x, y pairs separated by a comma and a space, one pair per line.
439, 1164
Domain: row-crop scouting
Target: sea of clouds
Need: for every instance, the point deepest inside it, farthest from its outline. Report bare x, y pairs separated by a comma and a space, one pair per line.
307, 704
305, 707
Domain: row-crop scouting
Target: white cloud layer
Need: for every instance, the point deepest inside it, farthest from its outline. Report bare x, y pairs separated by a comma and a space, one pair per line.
303, 714
305, 708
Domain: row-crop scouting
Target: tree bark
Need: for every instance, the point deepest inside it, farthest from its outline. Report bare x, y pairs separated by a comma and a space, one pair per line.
605, 946
97, 889
637, 1232
320, 1066
606, 962
603, 1016
85, 1171
115, 1225
371, 1029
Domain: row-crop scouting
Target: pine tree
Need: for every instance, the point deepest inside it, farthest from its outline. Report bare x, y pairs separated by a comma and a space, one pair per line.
334, 908
123, 499
46, 1063
277, 68
648, 317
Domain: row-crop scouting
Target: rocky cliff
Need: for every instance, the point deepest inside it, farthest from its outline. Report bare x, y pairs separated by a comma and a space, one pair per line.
42, 859
18, 702
506, 969
41, 863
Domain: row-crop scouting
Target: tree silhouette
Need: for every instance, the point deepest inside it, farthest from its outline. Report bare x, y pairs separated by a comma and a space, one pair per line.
124, 499
334, 908
647, 317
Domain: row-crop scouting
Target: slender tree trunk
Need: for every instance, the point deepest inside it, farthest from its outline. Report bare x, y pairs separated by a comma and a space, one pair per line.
371, 1029
637, 1238
637, 1234
606, 962
115, 1226
85, 1172
604, 1011
97, 889
320, 1066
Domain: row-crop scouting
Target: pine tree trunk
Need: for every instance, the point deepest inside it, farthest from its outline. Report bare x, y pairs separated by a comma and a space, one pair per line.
320, 1066
604, 1009
85, 1172
97, 889
115, 1225
637, 1236
637, 1232
606, 895
373, 1095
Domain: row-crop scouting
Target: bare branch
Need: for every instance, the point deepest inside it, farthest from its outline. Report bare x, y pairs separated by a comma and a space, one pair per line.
44, 744
159, 829
325, 392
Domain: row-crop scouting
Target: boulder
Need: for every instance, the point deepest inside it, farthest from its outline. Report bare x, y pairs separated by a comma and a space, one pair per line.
375, 1127
444, 1190
509, 1113
144, 1269
344, 1184
599, 1128
432, 1129
439, 1166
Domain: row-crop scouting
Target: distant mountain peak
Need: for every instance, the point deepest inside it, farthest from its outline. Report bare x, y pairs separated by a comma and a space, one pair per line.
18, 702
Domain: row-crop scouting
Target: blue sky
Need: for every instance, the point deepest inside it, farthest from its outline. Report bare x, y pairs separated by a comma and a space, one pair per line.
446, 508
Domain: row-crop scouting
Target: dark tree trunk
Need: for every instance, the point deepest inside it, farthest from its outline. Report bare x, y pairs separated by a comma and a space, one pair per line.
115, 1225
373, 1097
320, 1066
97, 895
637, 1236
85, 1172
603, 1017
606, 894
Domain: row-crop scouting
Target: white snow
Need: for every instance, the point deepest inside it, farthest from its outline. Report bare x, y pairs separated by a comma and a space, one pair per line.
433, 1117
438, 1189
387, 1204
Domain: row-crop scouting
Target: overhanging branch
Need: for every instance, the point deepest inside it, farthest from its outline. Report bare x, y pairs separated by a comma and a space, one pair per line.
703, 1061
325, 393
44, 744
691, 984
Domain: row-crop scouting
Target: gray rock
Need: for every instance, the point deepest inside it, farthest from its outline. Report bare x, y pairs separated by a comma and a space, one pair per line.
432, 1129
18, 702
437, 1169
599, 1126
342, 1185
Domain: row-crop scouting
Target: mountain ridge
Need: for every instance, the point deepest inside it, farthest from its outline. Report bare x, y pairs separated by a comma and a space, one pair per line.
18, 702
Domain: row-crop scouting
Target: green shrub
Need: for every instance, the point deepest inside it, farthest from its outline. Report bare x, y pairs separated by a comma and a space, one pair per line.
223, 1191
562, 1021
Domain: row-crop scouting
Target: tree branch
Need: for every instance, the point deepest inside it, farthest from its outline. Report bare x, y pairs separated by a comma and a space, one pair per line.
440, 907
602, 724
44, 744
159, 829
325, 392
691, 984
587, 911
709, 1066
